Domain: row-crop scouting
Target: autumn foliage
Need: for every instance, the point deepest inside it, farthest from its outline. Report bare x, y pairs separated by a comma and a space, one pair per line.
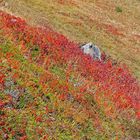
50, 90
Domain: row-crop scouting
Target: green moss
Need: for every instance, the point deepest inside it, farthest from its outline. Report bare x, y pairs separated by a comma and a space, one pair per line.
118, 9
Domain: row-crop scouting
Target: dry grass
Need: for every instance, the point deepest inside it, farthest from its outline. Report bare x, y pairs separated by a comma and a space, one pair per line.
88, 20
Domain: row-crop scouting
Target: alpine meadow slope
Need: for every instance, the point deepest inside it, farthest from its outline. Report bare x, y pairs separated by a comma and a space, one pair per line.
50, 90
111, 24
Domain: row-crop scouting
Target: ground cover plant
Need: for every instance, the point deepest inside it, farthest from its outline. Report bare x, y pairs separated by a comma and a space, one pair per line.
50, 90
111, 24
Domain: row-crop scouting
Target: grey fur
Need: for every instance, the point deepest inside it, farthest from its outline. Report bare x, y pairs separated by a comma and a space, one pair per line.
92, 50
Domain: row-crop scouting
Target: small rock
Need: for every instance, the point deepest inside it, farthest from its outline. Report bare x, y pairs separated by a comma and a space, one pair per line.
6, 4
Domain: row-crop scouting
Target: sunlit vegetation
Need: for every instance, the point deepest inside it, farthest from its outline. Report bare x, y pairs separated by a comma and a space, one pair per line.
50, 90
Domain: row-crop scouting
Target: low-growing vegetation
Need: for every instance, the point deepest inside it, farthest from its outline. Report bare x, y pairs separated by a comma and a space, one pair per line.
118, 9
97, 21
50, 90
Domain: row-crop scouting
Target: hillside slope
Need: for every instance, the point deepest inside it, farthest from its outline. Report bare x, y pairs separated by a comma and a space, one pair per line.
50, 90
111, 24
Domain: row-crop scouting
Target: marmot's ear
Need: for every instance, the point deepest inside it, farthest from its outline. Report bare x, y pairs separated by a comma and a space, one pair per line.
90, 46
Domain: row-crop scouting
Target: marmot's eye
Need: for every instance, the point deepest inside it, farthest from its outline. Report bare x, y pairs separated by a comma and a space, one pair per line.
90, 46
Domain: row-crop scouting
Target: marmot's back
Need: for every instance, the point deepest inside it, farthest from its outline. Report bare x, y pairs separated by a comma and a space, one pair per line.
92, 50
